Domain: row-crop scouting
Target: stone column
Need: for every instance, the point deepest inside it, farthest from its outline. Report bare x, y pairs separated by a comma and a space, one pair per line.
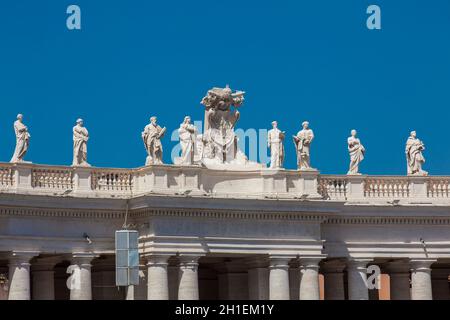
294, 280
173, 273
309, 280
158, 284
399, 280
279, 278
19, 275
43, 276
188, 278
258, 283
357, 279
421, 279
138, 292
80, 282
440, 284
333, 273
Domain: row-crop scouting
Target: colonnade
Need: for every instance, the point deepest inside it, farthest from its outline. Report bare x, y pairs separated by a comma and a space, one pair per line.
273, 277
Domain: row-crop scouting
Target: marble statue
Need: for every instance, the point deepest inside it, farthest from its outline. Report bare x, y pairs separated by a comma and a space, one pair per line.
22, 140
356, 151
80, 138
275, 138
220, 143
188, 139
152, 135
414, 157
302, 143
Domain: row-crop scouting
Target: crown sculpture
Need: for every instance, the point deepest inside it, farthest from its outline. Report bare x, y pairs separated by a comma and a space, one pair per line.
217, 147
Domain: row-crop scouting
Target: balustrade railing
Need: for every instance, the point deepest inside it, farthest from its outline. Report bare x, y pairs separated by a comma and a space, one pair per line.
6, 176
112, 180
28, 177
386, 187
52, 178
438, 187
332, 187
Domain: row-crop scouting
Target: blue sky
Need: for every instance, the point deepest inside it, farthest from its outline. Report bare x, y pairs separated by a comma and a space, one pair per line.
297, 60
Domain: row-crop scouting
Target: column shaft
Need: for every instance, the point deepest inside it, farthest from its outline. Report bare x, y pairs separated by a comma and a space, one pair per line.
80, 281
333, 273
357, 279
158, 285
421, 279
279, 279
19, 275
188, 278
309, 280
43, 284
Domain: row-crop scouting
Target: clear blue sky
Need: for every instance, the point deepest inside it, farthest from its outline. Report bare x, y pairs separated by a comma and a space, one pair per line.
297, 60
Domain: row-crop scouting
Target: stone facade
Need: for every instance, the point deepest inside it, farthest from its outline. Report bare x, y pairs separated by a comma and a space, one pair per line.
217, 234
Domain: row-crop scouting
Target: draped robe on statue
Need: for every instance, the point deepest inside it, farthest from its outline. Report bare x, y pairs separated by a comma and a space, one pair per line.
22, 141
415, 159
80, 138
356, 150
187, 133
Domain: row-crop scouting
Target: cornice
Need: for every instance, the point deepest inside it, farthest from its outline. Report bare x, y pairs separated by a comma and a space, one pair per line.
59, 213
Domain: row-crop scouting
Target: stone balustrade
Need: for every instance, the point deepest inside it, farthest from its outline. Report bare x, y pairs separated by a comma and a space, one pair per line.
198, 181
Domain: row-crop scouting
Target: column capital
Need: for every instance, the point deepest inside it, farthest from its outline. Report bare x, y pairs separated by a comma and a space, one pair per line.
279, 261
83, 258
334, 266
22, 256
422, 264
256, 262
397, 266
189, 260
311, 261
358, 263
158, 260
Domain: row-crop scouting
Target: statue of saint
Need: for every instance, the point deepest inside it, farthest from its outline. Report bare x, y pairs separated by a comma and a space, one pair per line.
302, 143
414, 157
188, 138
275, 139
22, 140
152, 135
80, 138
356, 151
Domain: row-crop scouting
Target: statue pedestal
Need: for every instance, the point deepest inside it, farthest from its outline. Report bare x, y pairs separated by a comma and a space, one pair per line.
308, 184
355, 187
